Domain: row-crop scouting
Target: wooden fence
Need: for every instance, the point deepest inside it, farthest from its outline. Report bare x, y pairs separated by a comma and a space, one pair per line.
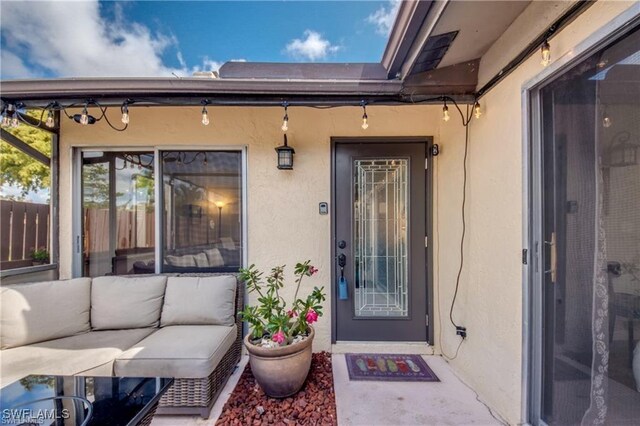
23, 228
133, 229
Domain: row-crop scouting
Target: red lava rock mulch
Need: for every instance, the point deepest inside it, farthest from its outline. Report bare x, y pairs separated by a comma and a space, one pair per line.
315, 404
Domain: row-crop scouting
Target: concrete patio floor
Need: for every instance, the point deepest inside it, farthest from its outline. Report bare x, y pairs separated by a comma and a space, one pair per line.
448, 402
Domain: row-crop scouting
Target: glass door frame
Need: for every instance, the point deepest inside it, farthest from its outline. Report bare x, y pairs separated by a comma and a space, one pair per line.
76, 194
429, 142
533, 268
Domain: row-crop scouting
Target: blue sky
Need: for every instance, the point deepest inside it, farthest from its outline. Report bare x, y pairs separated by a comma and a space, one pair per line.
153, 38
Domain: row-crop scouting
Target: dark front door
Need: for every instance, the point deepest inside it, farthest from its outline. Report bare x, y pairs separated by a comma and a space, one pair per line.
380, 238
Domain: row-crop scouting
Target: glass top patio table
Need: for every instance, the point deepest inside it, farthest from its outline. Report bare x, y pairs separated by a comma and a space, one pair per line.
80, 401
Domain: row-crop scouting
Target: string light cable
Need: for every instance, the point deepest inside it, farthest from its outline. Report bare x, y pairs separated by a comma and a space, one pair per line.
461, 331
13, 111
103, 113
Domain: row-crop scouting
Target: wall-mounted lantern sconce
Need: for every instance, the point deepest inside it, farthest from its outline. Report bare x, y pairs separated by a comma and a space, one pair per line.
623, 151
285, 156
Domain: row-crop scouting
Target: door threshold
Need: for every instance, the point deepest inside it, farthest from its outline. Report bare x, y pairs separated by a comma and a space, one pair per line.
418, 348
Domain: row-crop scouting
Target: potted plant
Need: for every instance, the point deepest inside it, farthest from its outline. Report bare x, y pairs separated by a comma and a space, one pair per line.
280, 340
39, 256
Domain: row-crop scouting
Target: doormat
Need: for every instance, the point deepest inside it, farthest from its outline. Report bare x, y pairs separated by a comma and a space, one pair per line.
389, 367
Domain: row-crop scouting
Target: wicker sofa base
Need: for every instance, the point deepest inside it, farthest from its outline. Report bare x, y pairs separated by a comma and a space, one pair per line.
197, 396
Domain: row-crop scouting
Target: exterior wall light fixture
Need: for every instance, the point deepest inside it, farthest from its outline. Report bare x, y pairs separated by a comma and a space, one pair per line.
285, 156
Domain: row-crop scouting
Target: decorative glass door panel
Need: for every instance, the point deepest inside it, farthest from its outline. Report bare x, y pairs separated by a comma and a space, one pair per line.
380, 214
380, 240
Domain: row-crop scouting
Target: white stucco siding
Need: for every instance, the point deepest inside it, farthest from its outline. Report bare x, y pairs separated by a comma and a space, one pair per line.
284, 225
490, 299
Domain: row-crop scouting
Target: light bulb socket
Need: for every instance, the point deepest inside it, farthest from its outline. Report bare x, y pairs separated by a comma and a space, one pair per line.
125, 113
545, 52
285, 119
477, 110
365, 117
205, 116
51, 122
445, 112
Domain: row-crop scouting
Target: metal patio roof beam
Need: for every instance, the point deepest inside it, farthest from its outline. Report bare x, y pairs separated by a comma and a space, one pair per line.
24, 147
149, 87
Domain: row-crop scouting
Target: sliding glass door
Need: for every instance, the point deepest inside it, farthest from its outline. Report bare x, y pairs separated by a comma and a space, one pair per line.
117, 212
589, 295
196, 226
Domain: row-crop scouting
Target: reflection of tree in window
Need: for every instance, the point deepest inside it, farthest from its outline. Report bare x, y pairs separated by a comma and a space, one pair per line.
95, 179
22, 170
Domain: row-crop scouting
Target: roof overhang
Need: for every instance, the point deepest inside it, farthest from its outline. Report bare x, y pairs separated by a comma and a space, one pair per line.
433, 50
193, 90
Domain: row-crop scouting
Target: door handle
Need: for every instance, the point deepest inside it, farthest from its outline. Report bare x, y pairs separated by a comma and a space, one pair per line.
343, 293
553, 246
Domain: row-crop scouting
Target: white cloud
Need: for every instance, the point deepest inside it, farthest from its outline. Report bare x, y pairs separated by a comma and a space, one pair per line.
313, 47
384, 17
12, 65
73, 39
207, 65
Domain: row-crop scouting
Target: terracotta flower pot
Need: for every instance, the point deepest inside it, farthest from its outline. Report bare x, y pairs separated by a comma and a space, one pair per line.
281, 371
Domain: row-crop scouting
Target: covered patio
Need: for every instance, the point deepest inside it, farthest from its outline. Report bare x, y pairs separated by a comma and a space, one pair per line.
449, 401
475, 193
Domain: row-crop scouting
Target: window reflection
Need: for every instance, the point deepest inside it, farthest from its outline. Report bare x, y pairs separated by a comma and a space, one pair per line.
202, 195
118, 213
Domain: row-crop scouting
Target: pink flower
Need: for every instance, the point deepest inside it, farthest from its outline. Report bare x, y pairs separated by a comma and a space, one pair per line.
312, 270
312, 316
292, 313
279, 337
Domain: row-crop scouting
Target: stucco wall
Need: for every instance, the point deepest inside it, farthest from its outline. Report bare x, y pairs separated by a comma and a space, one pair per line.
283, 221
490, 299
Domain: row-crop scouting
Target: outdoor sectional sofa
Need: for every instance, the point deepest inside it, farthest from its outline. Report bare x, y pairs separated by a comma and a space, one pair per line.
184, 327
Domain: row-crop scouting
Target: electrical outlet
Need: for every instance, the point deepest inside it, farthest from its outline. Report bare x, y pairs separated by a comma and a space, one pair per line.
461, 331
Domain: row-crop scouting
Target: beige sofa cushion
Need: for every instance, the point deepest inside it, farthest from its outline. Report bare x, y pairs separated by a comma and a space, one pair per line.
215, 258
199, 300
184, 261
35, 312
90, 353
183, 351
120, 302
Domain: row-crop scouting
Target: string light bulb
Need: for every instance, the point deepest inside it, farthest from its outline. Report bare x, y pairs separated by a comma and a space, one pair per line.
285, 120
205, 116
51, 122
545, 52
445, 112
125, 113
10, 116
365, 117
84, 117
477, 111
606, 120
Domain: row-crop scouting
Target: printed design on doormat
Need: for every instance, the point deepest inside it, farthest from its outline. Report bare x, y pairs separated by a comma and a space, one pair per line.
390, 367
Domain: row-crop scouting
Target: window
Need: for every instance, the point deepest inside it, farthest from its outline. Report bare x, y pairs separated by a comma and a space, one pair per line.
200, 212
202, 216
25, 194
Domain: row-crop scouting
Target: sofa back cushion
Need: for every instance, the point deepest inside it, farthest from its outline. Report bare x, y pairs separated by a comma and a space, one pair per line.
199, 301
36, 312
121, 302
